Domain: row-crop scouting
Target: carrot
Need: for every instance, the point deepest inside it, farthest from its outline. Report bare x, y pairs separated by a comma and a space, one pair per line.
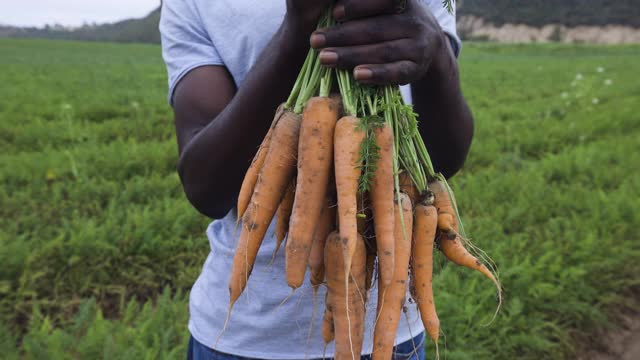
315, 158
347, 142
459, 255
424, 232
328, 330
450, 244
346, 304
407, 186
251, 176
326, 225
391, 298
382, 193
275, 175
447, 217
283, 214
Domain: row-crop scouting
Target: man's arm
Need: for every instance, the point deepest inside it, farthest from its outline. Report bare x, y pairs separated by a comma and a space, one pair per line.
219, 128
446, 122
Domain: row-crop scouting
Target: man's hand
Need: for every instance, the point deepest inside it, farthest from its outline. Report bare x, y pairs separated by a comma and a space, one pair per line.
382, 45
304, 15
387, 45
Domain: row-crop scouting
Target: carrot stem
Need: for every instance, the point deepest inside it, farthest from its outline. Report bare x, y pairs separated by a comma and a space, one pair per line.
299, 81
308, 82
326, 82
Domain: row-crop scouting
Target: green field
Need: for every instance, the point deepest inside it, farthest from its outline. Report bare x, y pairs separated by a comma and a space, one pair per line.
99, 247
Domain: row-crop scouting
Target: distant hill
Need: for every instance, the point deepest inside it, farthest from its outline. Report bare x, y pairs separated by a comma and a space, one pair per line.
144, 30
535, 13
543, 12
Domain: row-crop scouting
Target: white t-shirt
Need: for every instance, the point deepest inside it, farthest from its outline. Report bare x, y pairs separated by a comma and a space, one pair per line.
233, 33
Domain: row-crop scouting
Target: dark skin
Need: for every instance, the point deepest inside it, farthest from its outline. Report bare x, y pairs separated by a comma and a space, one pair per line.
220, 127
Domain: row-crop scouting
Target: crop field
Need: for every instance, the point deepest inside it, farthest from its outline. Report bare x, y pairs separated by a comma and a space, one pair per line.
99, 247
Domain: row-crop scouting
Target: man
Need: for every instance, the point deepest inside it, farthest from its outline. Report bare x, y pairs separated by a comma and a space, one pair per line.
230, 64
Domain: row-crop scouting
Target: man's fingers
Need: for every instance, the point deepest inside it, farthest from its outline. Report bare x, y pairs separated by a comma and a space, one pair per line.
363, 32
397, 73
380, 53
356, 9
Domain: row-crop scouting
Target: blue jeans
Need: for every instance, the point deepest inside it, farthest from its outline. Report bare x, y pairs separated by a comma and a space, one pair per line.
404, 351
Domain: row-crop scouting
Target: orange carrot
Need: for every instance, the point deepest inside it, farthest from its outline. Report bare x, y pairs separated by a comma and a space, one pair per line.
275, 175
325, 226
458, 254
346, 304
391, 298
347, 142
424, 232
408, 187
251, 176
450, 243
382, 193
283, 215
328, 329
315, 158
447, 218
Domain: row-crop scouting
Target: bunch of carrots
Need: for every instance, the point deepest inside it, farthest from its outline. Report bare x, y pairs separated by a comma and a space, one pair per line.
354, 194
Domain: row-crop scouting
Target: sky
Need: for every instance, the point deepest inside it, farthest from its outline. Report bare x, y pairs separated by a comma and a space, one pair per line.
71, 12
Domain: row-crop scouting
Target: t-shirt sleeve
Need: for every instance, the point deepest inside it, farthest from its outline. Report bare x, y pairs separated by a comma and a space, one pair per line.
447, 21
185, 42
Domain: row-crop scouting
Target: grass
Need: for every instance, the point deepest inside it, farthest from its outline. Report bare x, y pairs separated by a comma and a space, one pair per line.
99, 247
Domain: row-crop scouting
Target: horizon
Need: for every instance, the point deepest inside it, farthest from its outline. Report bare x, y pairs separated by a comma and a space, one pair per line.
73, 13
